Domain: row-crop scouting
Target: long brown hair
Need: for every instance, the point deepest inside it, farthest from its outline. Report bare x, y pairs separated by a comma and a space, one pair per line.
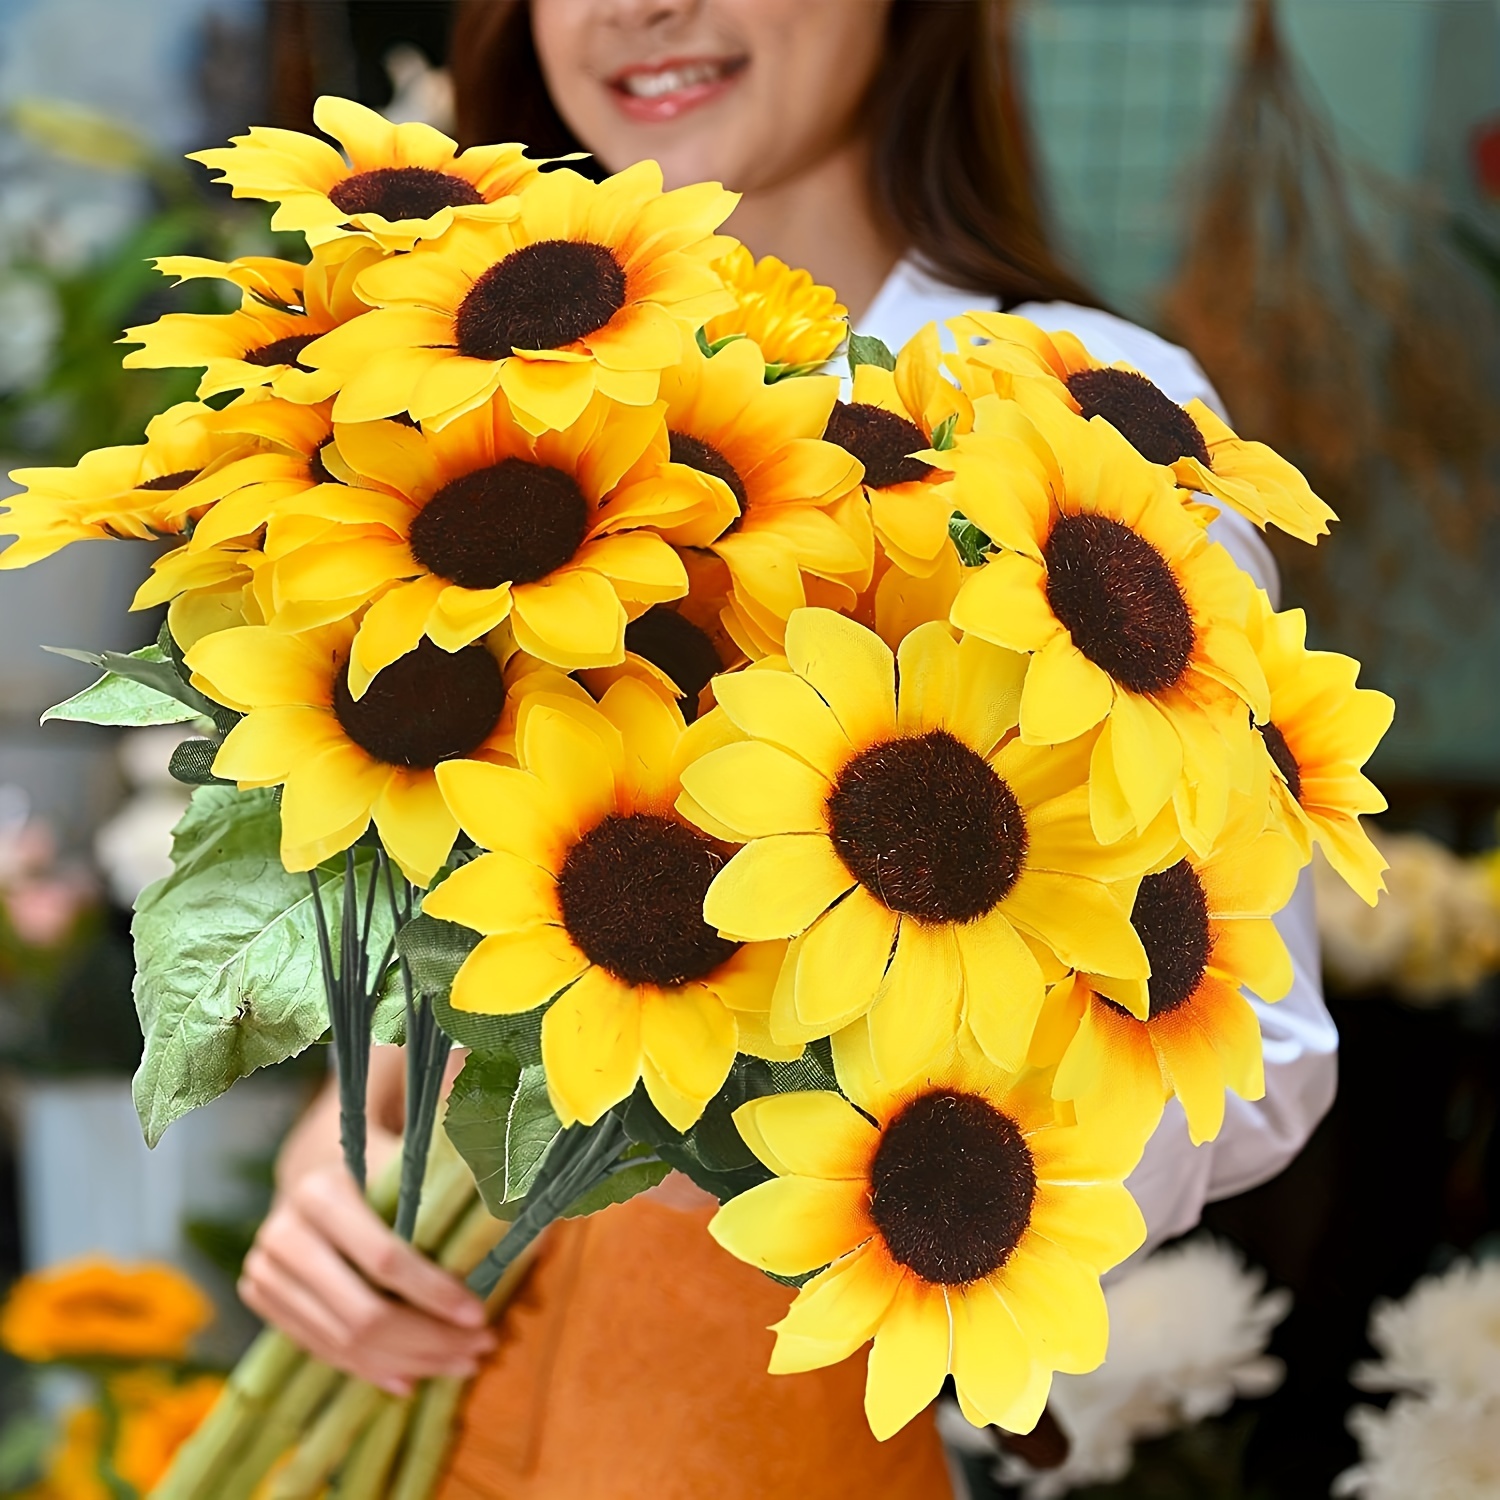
949, 169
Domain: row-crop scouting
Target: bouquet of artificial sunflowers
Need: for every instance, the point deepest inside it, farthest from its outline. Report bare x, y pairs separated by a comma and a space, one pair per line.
873, 805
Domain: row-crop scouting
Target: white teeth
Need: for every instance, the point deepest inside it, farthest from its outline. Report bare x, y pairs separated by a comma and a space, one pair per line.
671, 80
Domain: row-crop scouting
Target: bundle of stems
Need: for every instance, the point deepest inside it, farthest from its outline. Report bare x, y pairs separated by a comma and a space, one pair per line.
289, 1427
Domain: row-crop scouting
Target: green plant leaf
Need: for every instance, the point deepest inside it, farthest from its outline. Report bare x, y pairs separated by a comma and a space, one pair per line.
153, 671
971, 542
942, 434
116, 699
775, 372
866, 349
501, 1122
711, 347
639, 1169
228, 977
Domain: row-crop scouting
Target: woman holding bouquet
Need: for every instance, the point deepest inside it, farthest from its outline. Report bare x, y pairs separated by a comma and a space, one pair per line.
874, 143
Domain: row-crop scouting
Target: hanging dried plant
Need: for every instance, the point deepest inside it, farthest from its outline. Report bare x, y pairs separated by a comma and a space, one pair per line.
1340, 327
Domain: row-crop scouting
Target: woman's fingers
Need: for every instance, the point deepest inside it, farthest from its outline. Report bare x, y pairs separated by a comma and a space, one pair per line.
330, 1201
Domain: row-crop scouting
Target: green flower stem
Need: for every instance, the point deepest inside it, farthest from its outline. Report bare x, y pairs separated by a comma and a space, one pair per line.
109, 1439
473, 1237
448, 1192
580, 1159
302, 1396
328, 1442
369, 1466
428, 1438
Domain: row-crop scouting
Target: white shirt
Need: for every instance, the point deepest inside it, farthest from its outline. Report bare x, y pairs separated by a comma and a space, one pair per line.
1175, 1178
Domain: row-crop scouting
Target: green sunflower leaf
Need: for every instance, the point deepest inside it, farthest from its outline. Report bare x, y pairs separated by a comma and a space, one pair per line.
638, 1169
942, 434
118, 698
149, 667
228, 977
711, 347
971, 542
501, 1122
866, 349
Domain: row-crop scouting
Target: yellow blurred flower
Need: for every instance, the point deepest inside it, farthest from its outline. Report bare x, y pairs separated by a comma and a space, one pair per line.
798, 324
94, 1309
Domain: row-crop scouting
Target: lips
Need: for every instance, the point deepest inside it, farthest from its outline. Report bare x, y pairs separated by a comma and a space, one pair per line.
665, 90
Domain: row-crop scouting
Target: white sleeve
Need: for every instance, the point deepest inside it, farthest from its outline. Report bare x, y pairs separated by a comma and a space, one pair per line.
1175, 1178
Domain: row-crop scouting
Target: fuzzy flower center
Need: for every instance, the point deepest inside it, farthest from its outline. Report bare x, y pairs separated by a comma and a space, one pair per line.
672, 642
397, 193
1171, 919
952, 1187
882, 441
285, 351
632, 891
176, 480
928, 828
1143, 414
1120, 601
513, 522
696, 454
1282, 758
542, 296
428, 706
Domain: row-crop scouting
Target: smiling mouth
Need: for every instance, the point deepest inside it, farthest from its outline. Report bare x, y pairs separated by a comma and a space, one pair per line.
663, 90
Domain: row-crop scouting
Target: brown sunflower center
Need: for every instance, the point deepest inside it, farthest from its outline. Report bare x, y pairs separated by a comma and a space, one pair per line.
697, 454
285, 351
882, 441
1282, 758
1142, 413
402, 193
952, 1187
542, 296
427, 706
632, 891
1120, 601
1170, 917
513, 522
317, 469
684, 652
926, 826
173, 481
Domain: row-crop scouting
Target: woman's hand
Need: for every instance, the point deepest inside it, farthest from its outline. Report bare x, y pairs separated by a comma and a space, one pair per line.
330, 1274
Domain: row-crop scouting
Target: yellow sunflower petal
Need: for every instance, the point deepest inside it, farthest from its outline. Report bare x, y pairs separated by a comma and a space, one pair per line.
591, 1045
1005, 603
835, 1312
415, 824
516, 971
496, 893
783, 709
843, 960
811, 1134
1065, 694
689, 1037
1082, 922
757, 790
851, 668
991, 1357
571, 759
792, 1225
915, 1017
572, 619
1003, 988
505, 808
1252, 953
1058, 1304
776, 887
909, 1360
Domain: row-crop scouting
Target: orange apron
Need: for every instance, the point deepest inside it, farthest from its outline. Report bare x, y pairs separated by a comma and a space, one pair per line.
632, 1366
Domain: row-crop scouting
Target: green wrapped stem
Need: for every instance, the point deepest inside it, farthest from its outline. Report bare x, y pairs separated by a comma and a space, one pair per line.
330, 1441
428, 1438
364, 1476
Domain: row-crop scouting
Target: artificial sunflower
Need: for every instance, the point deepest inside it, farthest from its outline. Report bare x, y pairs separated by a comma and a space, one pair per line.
891, 419
1123, 1048
285, 306
479, 522
756, 485
96, 1309
964, 1228
593, 288
400, 184
908, 848
798, 324
592, 899
682, 646
1135, 621
144, 490
1317, 736
1203, 454
343, 762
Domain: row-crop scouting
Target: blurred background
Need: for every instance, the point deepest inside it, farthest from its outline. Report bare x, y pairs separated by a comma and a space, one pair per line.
1307, 195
